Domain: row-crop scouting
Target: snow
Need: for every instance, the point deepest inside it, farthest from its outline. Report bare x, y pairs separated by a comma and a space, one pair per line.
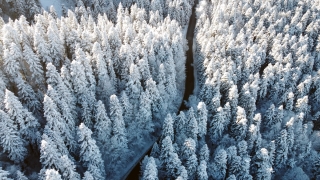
57, 4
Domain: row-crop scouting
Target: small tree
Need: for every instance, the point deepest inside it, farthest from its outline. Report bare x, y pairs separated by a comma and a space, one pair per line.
202, 171
219, 166
261, 167
151, 171
202, 115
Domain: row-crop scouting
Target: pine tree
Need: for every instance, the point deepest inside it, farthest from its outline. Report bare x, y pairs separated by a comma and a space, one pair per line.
289, 101
27, 96
56, 48
180, 127
170, 160
127, 108
155, 151
102, 127
151, 172
119, 142
156, 99
261, 167
104, 86
55, 122
52, 174
40, 43
167, 129
144, 116
281, 152
10, 139
202, 114
27, 124
11, 59
270, 114
90, 153
68, 169
4, 174
189, 158
216, 125
202, 171
239, 128
87, 176
34, 65
49, 153
192, 125
204, 153
219, 165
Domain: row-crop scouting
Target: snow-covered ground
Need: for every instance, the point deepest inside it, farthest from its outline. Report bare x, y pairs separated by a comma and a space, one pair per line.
57, 4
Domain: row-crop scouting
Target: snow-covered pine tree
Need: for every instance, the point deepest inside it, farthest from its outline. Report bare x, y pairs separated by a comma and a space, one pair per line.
189, 158
202, 118
90, 153
28, 125
239, 128
219, 166
216, 126
167, 129
119, 141
261, 166
202, 170
102, 128
151, 171
11, 142
192, 125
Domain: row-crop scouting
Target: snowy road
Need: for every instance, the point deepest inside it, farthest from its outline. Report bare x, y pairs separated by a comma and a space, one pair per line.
189, 86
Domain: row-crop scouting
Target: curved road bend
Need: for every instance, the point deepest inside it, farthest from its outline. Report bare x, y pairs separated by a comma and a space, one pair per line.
189, 87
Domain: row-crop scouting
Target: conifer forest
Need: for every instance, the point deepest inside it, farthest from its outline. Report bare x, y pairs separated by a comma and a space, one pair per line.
160, 89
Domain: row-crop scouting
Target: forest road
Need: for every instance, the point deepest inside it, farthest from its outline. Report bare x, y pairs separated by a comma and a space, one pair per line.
189, 87
189, 84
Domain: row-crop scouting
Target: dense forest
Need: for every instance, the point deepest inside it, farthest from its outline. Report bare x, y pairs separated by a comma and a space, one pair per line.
84, 92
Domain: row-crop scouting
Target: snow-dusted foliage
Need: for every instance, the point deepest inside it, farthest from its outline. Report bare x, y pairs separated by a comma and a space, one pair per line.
84, 93
257, 68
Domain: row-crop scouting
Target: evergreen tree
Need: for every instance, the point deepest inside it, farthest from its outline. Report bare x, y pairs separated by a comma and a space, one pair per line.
90, 153
170, 160
216, 125
155, 151
11, 58
151, 172
202, 171
281, 152
204, 153
202, 114
34, 65
192, 125
239, 128
27, 124
49, 153
55, 122
52, 174
102, 127
167, 129
219, 165
127, 108
261, 167
189, 158
144, 116
11, 142
119, 142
